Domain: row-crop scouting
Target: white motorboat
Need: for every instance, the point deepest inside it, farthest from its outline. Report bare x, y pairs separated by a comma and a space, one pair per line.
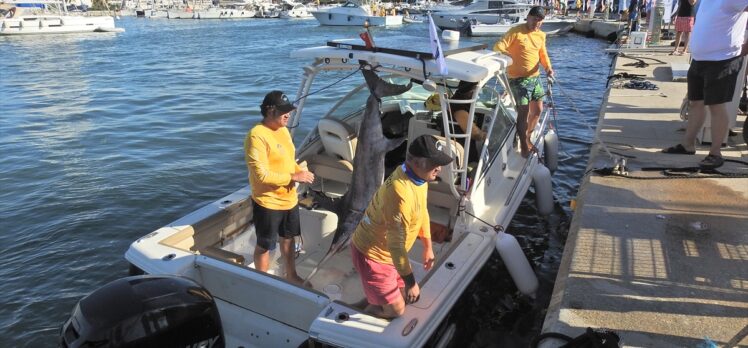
181, 13
551, 26
475, 197
50, 17
414, 19
296, 11
225, 13
352, 13
482, 11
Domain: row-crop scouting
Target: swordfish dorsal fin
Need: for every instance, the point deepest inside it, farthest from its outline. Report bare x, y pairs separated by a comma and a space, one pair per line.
380, 88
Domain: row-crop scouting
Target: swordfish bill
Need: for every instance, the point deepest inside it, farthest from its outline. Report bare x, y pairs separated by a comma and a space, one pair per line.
368, 162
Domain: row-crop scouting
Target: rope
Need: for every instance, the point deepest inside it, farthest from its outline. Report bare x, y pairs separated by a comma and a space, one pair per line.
328, 86
497, 228
671, 173
576, 109
320, 90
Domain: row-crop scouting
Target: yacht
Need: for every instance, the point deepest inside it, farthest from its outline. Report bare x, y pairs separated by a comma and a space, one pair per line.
213, 12
50, 17
482, 11
296, 11
551, 26
472, 202
353, 13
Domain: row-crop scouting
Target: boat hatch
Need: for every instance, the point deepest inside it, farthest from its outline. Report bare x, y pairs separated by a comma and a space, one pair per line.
407, 46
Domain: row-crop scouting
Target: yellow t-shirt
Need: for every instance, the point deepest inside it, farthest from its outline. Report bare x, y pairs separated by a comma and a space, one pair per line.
270, 161
527, 49
396, 215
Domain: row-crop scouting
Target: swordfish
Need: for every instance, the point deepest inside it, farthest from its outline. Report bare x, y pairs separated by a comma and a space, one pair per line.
368, 162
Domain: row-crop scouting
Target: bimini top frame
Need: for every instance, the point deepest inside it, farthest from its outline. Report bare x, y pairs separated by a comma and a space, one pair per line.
410, 57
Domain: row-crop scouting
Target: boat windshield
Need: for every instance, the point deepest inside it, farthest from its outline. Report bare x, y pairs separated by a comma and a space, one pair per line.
355, 102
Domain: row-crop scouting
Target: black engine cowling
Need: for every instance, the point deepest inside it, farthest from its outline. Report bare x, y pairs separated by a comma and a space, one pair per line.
145, 311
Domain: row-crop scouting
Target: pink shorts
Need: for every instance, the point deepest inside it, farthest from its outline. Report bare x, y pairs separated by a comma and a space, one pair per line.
684, 24
381, 282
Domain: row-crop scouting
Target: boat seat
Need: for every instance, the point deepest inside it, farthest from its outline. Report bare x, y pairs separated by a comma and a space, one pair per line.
333, 168
338, 138
442, 203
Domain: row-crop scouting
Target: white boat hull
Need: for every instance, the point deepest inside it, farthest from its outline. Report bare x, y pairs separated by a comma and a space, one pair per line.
550, 27
51, 24
222, 13
342, 19
180, 14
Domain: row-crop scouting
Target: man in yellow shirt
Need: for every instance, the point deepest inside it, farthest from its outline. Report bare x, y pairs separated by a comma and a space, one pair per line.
273, 173
396, 215
525, 43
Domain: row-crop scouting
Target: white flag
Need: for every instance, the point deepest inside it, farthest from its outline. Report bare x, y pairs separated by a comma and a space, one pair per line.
436, 48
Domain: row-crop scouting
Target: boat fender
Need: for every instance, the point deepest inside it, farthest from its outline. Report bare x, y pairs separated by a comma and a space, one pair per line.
550, 150
541, 178
516, 262
329, 16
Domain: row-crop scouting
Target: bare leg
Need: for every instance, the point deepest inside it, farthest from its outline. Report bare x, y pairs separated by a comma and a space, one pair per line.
262, 259
678, 36
289, 259
686, 39
388, 311
522, 113
696, 117
719, 127
536, 109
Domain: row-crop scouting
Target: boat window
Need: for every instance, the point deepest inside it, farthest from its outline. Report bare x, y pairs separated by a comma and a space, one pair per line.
495, 4
491, 95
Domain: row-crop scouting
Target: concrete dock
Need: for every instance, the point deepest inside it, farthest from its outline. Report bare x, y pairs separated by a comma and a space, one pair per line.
661, 260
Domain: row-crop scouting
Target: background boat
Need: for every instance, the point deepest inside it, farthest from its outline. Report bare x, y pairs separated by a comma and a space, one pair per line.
551, 26
50, 17
353, 13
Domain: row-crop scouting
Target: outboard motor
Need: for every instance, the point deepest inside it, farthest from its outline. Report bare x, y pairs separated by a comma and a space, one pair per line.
145, 311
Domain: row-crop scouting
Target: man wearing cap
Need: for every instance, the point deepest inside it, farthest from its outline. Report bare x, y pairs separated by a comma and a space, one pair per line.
396, 215
273, 173
525, 44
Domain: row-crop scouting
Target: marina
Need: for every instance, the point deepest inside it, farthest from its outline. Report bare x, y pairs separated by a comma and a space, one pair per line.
657, 256
136, 146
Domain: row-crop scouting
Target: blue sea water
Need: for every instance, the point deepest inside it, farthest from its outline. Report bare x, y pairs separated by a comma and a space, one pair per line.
106, 137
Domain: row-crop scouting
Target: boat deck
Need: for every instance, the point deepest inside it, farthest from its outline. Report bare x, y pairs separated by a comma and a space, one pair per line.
663, 262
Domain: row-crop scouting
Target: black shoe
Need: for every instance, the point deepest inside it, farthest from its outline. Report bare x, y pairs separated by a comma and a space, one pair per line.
711, 162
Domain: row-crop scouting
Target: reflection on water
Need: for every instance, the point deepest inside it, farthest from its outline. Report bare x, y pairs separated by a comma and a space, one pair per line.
106, 137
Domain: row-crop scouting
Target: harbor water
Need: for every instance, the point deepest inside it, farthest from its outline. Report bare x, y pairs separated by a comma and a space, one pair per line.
106, 137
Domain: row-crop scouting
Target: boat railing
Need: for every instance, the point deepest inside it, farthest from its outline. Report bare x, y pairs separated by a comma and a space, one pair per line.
458, 170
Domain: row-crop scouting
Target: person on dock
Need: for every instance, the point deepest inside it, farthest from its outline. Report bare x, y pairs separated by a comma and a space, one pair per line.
525, 43
273, 173
683, 25
717, 47
396, 215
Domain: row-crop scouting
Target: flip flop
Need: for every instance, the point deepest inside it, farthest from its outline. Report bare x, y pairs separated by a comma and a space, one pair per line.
678, 150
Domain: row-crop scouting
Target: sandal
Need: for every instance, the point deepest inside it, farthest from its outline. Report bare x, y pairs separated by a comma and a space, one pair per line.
678, 150
712, 162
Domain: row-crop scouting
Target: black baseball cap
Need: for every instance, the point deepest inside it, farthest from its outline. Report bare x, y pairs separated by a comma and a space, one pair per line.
427, 146
537, 11
276, 100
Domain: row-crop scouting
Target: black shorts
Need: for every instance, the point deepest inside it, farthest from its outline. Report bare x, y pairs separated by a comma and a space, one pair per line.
269, 224
713, 81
